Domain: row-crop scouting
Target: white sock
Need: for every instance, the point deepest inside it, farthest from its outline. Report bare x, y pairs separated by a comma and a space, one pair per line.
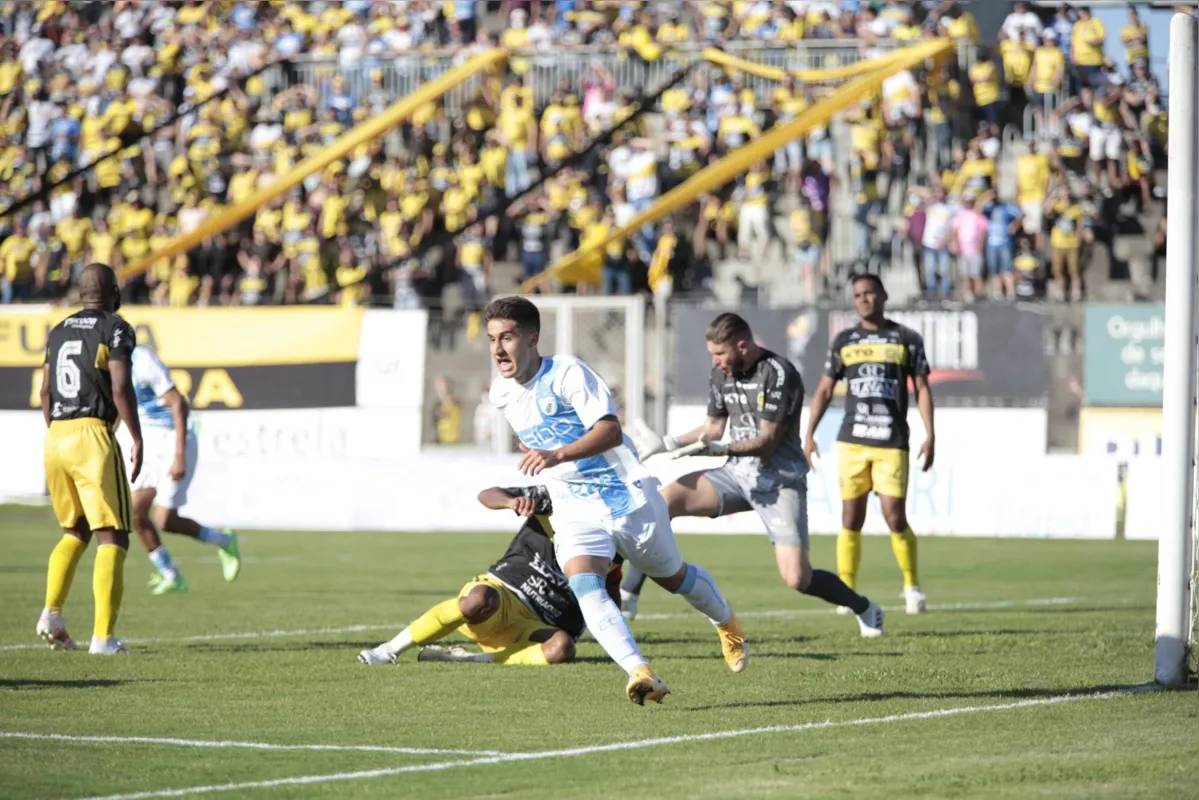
699, 589
605, 621
161, 560
213, 536
399, 644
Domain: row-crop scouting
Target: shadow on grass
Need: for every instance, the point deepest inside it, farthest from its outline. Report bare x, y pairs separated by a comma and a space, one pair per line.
20, 684
876, 697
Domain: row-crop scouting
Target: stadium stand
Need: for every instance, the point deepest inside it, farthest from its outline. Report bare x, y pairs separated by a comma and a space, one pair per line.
1043, 153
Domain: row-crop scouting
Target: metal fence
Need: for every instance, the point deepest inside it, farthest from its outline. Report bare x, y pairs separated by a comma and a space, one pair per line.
401, 75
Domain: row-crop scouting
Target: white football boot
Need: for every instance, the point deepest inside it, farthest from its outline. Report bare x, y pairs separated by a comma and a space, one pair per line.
110, 647
915, 600
53, 631
871, 621
433, 652
377, 655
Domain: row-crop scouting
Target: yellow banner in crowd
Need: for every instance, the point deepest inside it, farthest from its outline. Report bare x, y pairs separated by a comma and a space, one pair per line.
729, 62
376, 126
208, 337
576, 267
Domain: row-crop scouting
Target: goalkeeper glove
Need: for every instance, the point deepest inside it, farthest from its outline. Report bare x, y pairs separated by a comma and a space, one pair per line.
702, 447
649, 443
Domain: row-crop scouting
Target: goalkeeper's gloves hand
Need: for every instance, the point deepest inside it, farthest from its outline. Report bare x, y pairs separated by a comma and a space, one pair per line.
649, 443
702, 447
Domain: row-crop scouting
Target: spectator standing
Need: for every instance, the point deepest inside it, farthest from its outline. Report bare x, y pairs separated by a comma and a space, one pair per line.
1004, 222
938, 232
1086, 47
1069, 228
969, 240
447, 413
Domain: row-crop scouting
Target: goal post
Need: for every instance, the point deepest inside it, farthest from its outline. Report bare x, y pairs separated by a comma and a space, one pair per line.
1174, 631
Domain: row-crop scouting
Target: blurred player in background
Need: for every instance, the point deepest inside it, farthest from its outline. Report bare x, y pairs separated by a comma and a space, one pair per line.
604, 501
86, 385
875, 358
761, 394
170, 464
521, 611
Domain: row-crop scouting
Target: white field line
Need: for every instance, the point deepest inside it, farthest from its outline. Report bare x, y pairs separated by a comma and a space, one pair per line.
605, 748
787, 612
797, 612
351, 748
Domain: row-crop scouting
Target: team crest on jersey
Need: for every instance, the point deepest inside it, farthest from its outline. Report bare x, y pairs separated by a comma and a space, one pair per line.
548, 405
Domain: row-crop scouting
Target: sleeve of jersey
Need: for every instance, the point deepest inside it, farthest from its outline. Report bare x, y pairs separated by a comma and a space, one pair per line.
917, 357
121, 341
586, 393
781, 395
152, 372
833, 368
716, 409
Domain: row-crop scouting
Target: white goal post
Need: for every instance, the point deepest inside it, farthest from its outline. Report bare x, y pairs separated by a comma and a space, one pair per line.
1175, 625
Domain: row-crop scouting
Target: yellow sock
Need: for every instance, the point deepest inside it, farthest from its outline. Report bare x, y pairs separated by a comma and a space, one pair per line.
61, 571
529, 654
108, 584
849, 556
903, 545
440, 620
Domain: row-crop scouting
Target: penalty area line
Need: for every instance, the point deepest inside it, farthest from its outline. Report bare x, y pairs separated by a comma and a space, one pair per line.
639, 744
206, 743
968, 606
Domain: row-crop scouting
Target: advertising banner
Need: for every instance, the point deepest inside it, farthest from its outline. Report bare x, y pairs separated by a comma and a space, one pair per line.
981, 356
1125, 354
221, 358
1123, 433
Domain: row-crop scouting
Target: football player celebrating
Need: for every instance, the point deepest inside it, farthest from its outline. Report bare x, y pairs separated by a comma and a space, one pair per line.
876, 358
521, 611
761, 395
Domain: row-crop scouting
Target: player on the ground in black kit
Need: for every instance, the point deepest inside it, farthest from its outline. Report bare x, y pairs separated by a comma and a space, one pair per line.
876, 358
521, 611
86, 385
758, 396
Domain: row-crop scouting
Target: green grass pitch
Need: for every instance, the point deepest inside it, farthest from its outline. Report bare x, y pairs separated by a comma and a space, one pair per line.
271, 660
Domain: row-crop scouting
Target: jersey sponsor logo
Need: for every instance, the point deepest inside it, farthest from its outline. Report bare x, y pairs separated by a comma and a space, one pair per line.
864, 431
884, 353
882, 388
872, 371
87, 323
736, 397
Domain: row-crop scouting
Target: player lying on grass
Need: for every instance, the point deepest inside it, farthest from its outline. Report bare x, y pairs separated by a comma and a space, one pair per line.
168, 466
521, 611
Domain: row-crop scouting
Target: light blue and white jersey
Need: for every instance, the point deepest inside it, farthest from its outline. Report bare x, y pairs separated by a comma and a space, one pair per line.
558, 406
151, 381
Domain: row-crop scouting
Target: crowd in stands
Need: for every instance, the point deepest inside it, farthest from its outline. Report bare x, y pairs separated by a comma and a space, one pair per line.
78, 80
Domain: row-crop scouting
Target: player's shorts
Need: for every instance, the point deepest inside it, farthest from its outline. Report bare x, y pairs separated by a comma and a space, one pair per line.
644, 537
513, 624
158, 454
85, 474
862, 469
782, 505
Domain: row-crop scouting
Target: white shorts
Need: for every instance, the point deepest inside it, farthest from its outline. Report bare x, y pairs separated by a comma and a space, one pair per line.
158, 454
1034, 217
644, 538
1106, 143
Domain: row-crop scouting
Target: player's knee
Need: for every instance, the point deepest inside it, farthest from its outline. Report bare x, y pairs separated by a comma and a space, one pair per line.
166, 518
896, 518
559, 648
798, 580
479, 604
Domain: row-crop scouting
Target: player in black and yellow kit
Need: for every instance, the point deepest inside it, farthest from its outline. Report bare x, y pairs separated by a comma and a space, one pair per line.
875, 358
521, 611
86, 385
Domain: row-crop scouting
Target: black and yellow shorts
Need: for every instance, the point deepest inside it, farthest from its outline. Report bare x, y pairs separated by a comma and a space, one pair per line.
86, 475
862, 469
513, 624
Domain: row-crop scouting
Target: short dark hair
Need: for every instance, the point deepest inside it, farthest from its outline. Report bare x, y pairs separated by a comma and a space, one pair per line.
514, 309
868, 276
728, 328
